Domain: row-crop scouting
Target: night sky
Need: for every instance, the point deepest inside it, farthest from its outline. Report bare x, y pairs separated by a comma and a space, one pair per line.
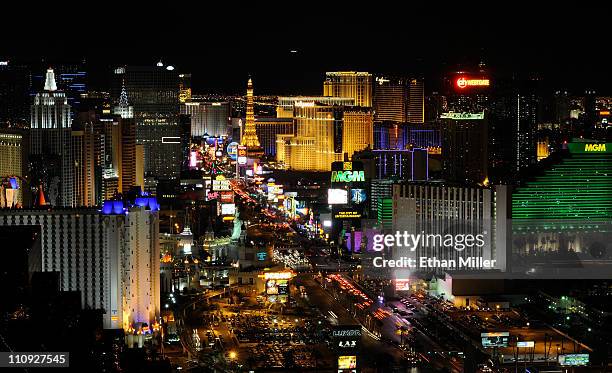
221, 45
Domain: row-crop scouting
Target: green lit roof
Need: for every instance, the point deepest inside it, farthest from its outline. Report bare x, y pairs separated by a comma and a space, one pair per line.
578, 188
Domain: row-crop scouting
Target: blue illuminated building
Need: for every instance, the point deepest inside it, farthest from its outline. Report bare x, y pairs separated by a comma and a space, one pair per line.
121, 206
402, 164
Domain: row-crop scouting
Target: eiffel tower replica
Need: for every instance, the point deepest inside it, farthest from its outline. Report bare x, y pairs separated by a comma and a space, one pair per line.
249, 135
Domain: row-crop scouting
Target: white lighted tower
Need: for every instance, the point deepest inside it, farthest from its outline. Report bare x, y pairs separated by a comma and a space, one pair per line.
50, 139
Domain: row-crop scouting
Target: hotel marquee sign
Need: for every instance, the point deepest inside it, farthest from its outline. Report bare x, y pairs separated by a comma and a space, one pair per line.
590, 148
463, 82
595, 147
462, 116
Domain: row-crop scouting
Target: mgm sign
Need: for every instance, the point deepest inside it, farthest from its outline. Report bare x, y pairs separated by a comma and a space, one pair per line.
348, 173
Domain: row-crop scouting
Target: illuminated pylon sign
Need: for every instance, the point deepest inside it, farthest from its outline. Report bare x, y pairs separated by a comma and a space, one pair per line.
242, 155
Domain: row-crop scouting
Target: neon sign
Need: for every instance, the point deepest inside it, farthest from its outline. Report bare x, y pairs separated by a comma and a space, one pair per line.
462, 116
595, 147
464, 83
347, 176
278, 275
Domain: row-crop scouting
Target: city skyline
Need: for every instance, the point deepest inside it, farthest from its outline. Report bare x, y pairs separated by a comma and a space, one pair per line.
333, 188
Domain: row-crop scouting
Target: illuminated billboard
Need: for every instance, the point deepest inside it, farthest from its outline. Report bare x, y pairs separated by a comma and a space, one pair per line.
193, 159
277, 275
465, 82
495, 339
226, 197
462, 116
347, 362
578, 147
347, 176
277, 290
275, 192
574, 360
242, 154
358, 196
272, 287
525, 344
402, 284
337, 196
232, 150
347, 214
347, 172
221, 185
228, 209
346, 337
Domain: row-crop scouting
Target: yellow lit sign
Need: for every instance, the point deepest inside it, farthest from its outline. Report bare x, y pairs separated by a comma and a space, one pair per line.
595, 147
434, 150
278, 275
347, 362
347, 215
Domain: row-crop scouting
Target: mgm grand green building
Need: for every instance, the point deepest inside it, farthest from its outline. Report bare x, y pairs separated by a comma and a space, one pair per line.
561, 218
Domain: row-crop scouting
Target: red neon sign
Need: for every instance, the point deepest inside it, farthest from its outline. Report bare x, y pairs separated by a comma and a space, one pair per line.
463, 82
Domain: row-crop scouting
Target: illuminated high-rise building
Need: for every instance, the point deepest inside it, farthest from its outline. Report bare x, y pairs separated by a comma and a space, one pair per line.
71, 80
123, 107
208, 118
543, 150
390, 100
357, 131
249, 133
84, 168
416, 101
467, 92
554, 211
447, 208
269, 128
109, 255
349, 84
316, 143
13, 158
153, 91
129, 163
465, 147
50, 143
526, 127
324, 134
118, 159
184, 87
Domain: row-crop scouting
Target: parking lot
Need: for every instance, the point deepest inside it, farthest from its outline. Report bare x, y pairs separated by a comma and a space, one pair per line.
548, 343
260, 338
